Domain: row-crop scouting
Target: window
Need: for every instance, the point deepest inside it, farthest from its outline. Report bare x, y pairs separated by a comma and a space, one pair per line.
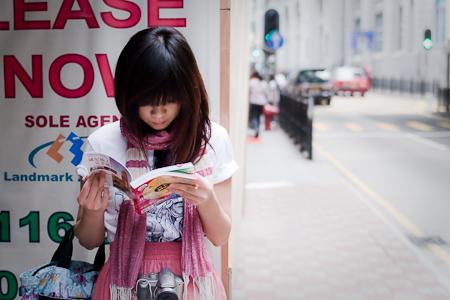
347, 74
356, 36
379, 32
358, 25
411, 26
314, 76
400, 28
286, 13
440, 21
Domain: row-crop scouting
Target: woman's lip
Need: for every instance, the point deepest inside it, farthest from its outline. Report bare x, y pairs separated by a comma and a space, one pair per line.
159, 123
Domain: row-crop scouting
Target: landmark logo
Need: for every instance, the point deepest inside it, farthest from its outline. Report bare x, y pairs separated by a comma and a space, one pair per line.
55, 146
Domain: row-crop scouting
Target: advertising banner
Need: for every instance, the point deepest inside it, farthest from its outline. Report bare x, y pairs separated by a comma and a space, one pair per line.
56, 87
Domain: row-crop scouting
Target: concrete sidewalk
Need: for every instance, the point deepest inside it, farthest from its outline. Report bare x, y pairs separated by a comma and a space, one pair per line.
307, 233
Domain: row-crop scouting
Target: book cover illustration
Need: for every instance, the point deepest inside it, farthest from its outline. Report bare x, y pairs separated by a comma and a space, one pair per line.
154, 191
116, 174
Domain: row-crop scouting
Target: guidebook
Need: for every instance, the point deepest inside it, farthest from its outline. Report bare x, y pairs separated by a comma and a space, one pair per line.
146, 191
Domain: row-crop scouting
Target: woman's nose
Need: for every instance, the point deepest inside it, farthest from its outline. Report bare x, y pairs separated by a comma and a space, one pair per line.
158, 111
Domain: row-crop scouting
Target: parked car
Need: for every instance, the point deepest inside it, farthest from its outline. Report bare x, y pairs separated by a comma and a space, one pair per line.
349, 79
312, 82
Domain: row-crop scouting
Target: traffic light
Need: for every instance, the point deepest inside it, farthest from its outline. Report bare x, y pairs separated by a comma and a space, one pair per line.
427, 42
271, 23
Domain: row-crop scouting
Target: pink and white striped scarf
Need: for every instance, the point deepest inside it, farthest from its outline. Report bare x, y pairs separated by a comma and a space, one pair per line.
126, 256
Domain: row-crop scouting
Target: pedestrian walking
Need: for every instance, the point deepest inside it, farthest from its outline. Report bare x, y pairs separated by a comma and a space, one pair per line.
258, 97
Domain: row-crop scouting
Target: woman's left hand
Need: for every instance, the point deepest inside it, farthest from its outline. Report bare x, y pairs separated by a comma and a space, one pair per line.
213, 204
196, 195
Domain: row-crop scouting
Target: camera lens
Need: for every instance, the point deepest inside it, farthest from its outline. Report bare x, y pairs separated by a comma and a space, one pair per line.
167, 296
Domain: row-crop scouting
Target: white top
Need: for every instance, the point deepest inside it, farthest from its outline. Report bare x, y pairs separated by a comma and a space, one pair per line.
273, 90
164, 223
281, 80
258, 90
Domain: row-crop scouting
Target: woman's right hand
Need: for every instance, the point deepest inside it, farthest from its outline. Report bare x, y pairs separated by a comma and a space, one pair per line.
93, 200
93, 197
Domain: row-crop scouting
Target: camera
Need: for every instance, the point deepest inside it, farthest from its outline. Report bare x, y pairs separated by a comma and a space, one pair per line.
161, 286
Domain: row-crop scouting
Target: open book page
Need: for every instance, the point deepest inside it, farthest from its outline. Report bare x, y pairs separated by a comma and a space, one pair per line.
187, 168
148, 190
151, 188
117, 175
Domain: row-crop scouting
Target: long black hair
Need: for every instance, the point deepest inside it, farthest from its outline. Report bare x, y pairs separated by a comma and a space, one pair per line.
158, 67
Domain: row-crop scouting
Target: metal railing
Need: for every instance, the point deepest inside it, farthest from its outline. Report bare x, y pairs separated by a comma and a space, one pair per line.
415, 88
296, 119
443, 99
403, 86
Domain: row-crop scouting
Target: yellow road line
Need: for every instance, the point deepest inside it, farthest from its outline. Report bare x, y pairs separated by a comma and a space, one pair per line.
388, 126
398, 216
419, 126
440, 252
320, 126
420, 107
353, 126
444, 124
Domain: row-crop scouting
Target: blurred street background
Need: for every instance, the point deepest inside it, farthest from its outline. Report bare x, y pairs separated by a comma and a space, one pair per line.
366, 218
402, 46
348, 189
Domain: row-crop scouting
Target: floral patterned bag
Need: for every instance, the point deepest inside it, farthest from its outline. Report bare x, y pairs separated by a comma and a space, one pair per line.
62, 278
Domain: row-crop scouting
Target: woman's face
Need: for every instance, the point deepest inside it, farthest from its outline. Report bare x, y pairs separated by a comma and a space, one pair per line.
159, 117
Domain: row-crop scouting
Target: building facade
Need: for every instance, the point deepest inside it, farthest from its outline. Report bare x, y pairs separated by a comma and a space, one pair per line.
383, 36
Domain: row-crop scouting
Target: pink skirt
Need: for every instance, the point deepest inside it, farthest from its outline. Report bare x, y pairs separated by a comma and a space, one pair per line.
157, 256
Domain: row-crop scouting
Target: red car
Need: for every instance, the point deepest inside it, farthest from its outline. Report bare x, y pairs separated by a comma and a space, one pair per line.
348, 79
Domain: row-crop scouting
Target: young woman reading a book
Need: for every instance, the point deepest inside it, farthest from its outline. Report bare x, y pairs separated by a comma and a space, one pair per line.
164, 106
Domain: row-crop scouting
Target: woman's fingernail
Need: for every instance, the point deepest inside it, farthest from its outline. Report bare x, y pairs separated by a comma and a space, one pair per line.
198, 179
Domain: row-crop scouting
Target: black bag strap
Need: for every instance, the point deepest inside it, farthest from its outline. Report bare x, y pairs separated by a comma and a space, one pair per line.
63, 254
100, 257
